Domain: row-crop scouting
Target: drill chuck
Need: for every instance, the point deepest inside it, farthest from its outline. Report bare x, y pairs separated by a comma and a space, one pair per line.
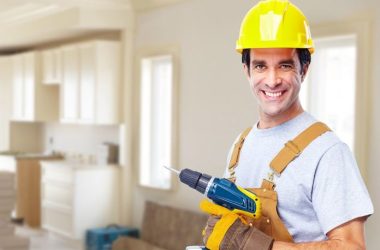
195, 179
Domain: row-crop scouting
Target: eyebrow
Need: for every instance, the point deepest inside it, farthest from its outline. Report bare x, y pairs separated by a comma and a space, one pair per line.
256, 62
287, 61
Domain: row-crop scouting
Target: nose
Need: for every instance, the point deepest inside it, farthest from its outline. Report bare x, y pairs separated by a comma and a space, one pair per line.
273, 79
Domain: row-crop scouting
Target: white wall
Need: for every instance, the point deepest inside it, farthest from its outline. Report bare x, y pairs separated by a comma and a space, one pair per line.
215, 103
5, 102
214, 98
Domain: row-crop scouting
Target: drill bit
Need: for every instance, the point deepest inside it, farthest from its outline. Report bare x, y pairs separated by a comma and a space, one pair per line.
172, 169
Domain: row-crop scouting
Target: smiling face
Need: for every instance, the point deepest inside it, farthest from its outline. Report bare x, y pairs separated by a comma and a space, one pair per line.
275, 77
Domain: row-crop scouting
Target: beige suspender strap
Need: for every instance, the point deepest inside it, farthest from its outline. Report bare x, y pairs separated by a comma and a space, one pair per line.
236, 152
295, 147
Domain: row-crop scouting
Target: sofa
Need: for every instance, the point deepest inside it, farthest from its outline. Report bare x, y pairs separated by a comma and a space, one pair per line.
165, 228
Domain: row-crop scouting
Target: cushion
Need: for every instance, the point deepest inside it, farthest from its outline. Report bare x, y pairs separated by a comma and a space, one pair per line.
127, 243
172, 228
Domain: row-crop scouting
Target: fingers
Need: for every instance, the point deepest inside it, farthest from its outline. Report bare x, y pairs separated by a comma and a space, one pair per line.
212, 220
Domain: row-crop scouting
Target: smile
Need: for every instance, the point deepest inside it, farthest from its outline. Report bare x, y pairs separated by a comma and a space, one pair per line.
273, 94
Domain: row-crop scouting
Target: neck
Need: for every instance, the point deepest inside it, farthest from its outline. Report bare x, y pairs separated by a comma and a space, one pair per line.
268, 121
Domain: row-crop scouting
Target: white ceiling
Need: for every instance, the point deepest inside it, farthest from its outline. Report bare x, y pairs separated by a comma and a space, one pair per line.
25, 23
14, 11
143, 5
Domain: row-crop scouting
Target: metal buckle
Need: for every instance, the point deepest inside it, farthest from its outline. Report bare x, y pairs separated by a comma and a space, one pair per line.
293, 148
271, 179
271, 176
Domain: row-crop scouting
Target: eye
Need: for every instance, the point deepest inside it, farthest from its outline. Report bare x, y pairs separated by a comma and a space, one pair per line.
286, 67
259, 67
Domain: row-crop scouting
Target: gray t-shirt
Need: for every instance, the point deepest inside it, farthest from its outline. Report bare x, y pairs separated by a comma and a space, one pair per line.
318, 191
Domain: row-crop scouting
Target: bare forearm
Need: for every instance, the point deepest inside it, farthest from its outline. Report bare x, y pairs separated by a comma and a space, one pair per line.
348, 236
320, 245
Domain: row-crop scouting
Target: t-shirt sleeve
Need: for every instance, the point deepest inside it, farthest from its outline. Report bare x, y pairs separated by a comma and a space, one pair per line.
339, 193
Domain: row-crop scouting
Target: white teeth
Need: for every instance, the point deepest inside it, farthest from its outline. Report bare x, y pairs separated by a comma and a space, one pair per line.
275, 94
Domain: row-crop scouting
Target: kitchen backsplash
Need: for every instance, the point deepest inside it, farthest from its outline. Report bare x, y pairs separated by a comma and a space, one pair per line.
78, 143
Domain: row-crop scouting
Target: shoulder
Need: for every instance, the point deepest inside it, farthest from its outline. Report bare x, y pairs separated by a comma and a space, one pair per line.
337, 188
328, 141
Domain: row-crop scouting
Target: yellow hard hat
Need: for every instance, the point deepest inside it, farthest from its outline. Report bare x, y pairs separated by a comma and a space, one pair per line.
274, 24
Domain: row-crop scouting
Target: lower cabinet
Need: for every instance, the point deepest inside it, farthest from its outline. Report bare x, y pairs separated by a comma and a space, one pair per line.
27, 171
77, 198
28, 178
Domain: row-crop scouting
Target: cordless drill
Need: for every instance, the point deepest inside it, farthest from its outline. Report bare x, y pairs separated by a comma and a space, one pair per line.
222, 192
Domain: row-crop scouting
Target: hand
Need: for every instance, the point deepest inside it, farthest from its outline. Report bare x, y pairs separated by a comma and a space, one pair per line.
212, 220
227, 230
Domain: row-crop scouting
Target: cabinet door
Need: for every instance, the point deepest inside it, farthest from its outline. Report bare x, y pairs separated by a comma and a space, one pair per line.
87, 83
51, 66
47, 66
70, 84
29, 86
57, 69
90, 82
107, 67
17, 88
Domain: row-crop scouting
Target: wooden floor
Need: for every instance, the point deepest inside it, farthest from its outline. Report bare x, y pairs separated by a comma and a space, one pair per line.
43, 240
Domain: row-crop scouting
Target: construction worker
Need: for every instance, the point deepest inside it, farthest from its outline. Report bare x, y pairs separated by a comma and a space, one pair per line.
312, 193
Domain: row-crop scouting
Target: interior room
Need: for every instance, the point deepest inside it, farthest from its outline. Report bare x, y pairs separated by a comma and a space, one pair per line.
96, 96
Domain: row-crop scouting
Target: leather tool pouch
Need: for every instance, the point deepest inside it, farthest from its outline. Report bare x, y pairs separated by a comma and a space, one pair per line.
270, 223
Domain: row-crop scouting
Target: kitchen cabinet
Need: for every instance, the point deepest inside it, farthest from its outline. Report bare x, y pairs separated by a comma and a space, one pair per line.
78, 197
28, 176
90, 83
51, 66
27, 170
69, 92
32, 101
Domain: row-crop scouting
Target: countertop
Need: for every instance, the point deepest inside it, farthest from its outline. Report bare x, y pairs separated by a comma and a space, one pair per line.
24, 155
77, 165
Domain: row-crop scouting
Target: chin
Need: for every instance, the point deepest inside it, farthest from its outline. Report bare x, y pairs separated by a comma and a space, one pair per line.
272, 112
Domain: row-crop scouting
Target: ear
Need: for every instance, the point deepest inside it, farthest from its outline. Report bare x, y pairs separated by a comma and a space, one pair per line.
304, 71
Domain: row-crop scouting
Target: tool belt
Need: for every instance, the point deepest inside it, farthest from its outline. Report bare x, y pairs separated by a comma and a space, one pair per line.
270, 222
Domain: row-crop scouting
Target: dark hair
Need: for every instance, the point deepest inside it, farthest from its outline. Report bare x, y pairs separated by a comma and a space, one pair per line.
303, 55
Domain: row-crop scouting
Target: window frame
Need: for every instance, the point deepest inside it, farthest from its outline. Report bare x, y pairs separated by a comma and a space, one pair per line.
362, 98
142, 54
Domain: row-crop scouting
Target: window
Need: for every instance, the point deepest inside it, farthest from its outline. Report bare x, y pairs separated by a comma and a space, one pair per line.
336, 90
329, 90
156, 120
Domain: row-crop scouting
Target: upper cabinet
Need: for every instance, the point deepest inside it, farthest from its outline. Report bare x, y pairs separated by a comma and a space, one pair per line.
32, 101
69, 92
90, 83
51, 66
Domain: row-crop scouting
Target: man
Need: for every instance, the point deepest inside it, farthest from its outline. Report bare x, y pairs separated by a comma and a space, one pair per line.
312, 193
